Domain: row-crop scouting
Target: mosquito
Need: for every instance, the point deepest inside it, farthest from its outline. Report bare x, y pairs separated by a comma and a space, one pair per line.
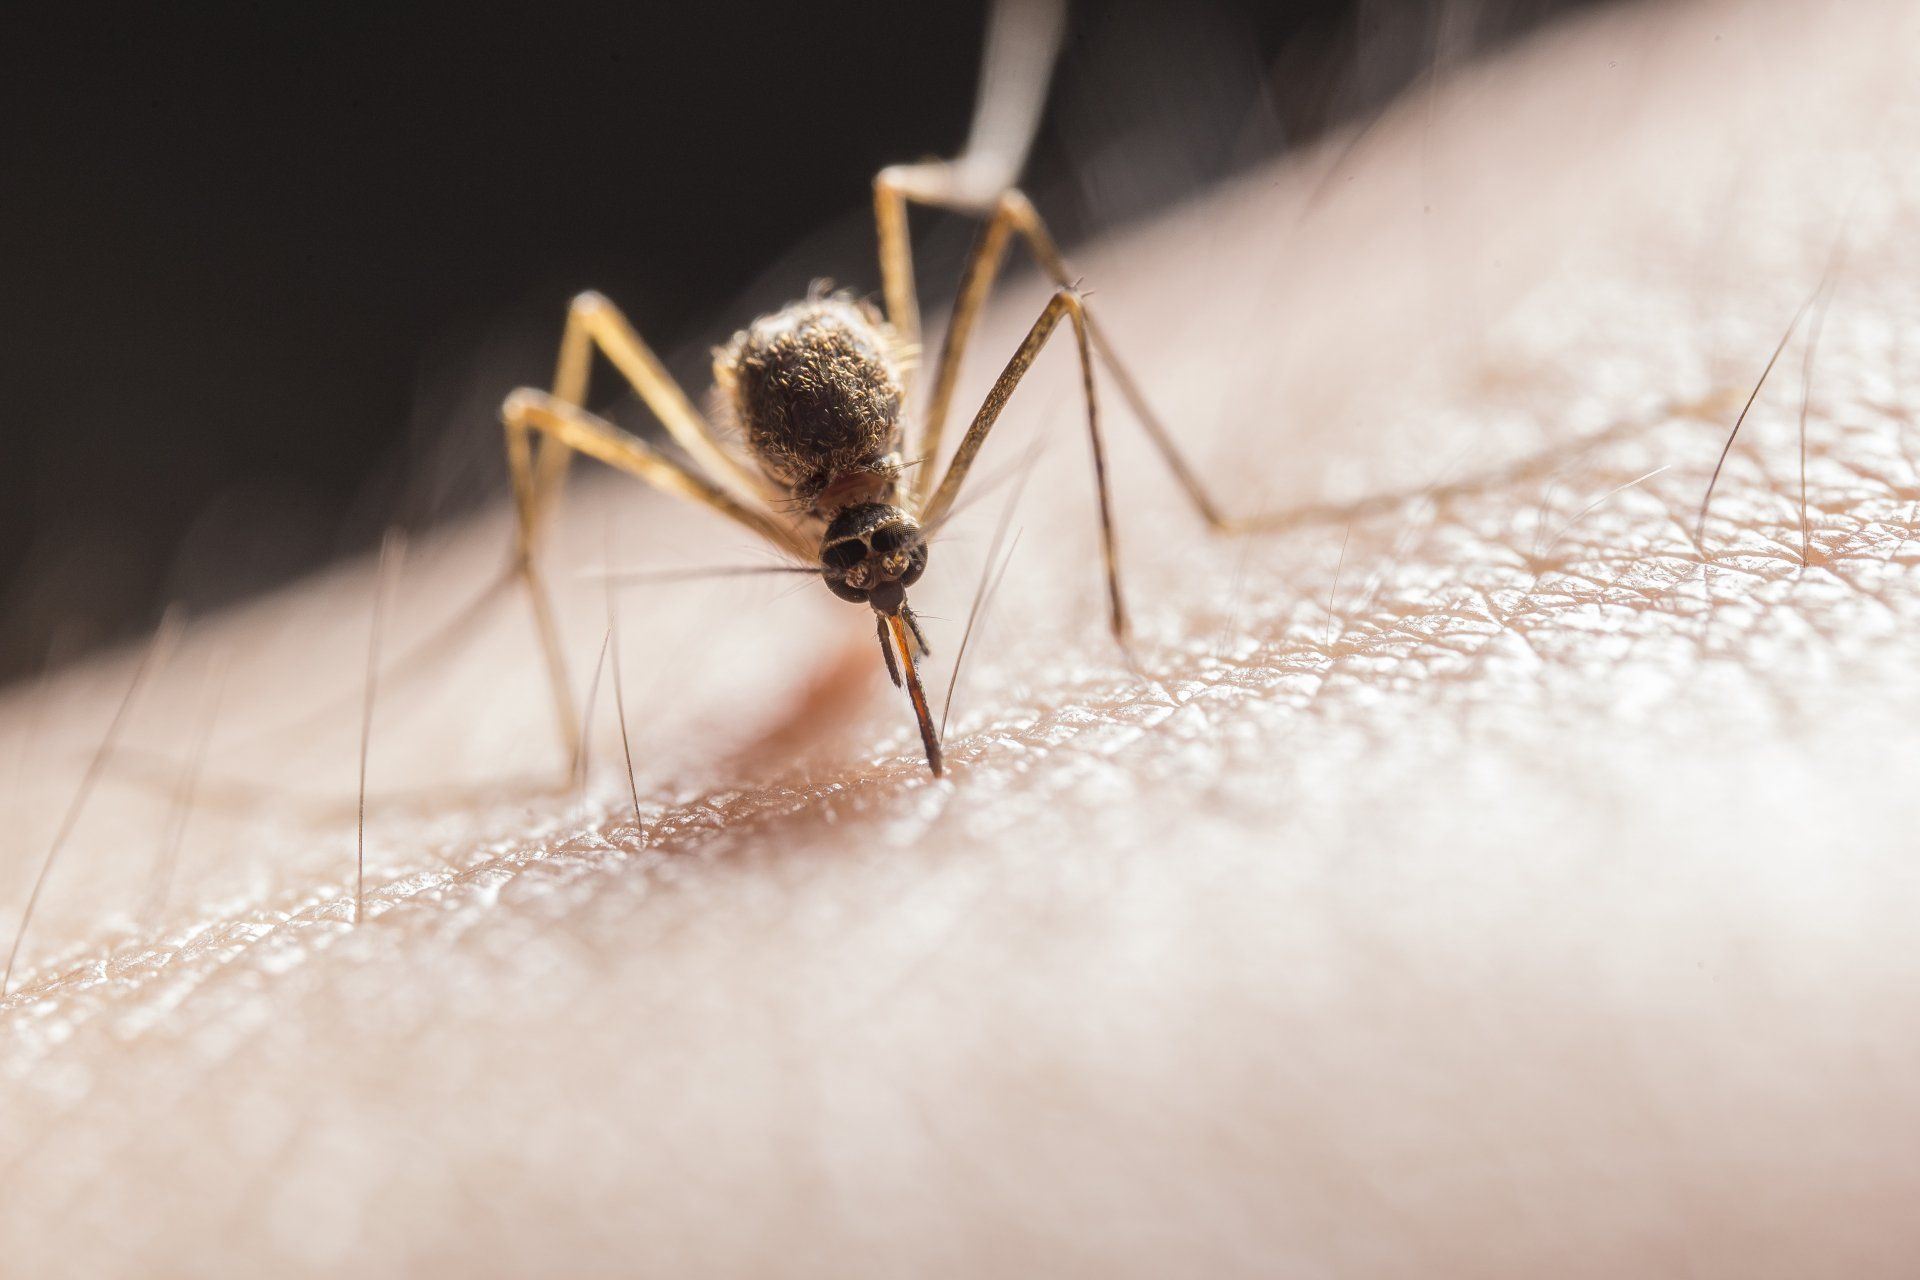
821, 392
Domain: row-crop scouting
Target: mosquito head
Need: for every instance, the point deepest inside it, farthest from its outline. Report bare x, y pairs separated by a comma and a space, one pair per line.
871, 554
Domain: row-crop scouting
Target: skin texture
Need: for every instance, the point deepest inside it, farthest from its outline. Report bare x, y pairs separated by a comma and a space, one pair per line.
1544, 906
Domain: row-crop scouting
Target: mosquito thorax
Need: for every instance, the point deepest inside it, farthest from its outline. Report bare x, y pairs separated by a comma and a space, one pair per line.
816, 389
871, 554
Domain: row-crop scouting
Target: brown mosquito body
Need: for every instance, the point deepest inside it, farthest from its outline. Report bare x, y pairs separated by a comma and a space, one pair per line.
824, 399
816, 389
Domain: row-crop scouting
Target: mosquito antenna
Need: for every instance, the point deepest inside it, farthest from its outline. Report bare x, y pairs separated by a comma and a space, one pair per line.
619, 690
637, 577
586, 720
160, 885
1023, 38
393, 550
163, 641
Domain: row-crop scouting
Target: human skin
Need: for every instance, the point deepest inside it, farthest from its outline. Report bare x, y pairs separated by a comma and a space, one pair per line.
1544, 907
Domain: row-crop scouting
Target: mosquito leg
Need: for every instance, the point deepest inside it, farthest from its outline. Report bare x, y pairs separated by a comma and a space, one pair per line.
554, 656
893, 188
1015, 68
539, 468
527, 411
896, 256
1065, 304
565, 426
527, 512
1040, 243
980, 183
594, 323
1012, 212
954, 185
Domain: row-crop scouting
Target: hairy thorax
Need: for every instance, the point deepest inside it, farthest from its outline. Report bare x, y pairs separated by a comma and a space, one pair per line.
816, 388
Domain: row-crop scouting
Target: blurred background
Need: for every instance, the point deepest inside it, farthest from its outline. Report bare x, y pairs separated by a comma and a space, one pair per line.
269, 269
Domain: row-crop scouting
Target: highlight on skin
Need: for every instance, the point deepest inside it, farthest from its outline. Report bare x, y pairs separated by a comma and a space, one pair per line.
1549, 913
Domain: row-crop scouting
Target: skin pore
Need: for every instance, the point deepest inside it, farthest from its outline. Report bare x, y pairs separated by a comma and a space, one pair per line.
1494, 881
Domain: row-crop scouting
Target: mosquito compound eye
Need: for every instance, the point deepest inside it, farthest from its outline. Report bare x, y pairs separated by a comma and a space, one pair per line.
839, 587
916, 565
842, 556
887, 539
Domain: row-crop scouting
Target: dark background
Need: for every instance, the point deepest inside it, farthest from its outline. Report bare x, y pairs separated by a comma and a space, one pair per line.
266, 270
